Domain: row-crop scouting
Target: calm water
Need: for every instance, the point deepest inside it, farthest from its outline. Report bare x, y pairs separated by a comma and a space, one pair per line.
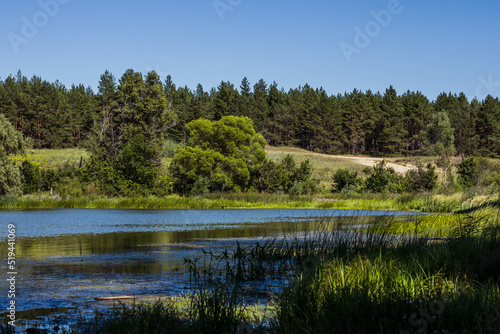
65, 258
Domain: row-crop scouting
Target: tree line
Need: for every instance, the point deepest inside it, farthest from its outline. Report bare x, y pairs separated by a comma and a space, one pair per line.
357, 122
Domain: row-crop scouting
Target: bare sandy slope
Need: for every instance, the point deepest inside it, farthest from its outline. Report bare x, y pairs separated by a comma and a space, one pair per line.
368, 161
359, 160
365, 161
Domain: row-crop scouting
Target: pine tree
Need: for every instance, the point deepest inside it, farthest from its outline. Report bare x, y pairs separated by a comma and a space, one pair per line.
225, 100
392, 116
488, 126
355, 108
417, 111
260, 97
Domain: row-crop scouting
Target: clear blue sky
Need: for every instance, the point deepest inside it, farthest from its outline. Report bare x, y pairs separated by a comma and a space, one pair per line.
430, 46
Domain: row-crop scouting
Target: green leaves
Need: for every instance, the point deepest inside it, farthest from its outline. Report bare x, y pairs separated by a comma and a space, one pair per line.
11, 142
344, 179
384, 179
129, 137
468, 173
227, 152
224, 173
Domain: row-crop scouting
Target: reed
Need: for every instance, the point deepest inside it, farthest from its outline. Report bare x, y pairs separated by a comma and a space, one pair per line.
424, 203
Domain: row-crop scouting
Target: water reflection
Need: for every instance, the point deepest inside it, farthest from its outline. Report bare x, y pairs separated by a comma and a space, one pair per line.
66, 258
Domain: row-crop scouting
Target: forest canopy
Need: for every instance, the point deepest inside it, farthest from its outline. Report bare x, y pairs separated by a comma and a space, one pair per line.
387, 123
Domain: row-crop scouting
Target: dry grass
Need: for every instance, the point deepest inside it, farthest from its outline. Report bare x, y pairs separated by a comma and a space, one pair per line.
325, 165
54, 158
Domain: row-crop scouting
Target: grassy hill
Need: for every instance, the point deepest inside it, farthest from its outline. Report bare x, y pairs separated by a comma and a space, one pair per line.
324, 165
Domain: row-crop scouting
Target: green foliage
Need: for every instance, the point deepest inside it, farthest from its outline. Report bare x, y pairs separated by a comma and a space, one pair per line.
286, 177
137, 161
227, 152
69, 187
230, 154
224, 173
129, 136
467, 172
201, 186
441, 136
35, 178
354, 122
170, 148
11, 143
10, 178
343, 178
296, 189
104, 174
31, 176
421, 179
384, 179
272, 177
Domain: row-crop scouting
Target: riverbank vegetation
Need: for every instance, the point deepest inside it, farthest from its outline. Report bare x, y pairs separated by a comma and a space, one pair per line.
141, 138
416, 202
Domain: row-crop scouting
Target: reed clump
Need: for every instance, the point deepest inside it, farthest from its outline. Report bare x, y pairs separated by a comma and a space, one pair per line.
410, 202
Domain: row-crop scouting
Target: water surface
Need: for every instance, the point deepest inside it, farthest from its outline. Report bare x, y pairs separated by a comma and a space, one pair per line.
67, 257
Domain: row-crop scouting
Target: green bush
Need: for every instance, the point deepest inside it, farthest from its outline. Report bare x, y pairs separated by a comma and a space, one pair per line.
170, 148
296, 189
137, 162
422, 179
286, 177
69, 187
31, 177
467, 172
10, 178
343, 178
11, 143
384, 179
201, 186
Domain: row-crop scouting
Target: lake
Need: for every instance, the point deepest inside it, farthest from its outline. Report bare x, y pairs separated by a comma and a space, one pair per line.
67, 257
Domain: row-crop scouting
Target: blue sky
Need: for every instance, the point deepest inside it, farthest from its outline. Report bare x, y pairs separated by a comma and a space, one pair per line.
430, 46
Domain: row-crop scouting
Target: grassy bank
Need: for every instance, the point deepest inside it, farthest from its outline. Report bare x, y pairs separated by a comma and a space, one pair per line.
424, 203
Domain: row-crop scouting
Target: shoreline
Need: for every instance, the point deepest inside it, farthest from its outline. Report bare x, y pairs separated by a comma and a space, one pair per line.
419, 203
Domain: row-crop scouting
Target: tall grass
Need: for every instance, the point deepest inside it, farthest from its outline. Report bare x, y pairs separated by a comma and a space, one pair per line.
424, 203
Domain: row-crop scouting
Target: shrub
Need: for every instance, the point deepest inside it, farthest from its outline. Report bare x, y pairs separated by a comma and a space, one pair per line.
170, 148
31, 177
286, 177
137, 161
343, 178
201, 186
384, 179
296, 189
71, 187
422, 178
10, 178
467, 172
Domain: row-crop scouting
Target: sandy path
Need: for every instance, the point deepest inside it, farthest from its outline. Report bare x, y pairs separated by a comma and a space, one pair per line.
364, 161
370, 162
